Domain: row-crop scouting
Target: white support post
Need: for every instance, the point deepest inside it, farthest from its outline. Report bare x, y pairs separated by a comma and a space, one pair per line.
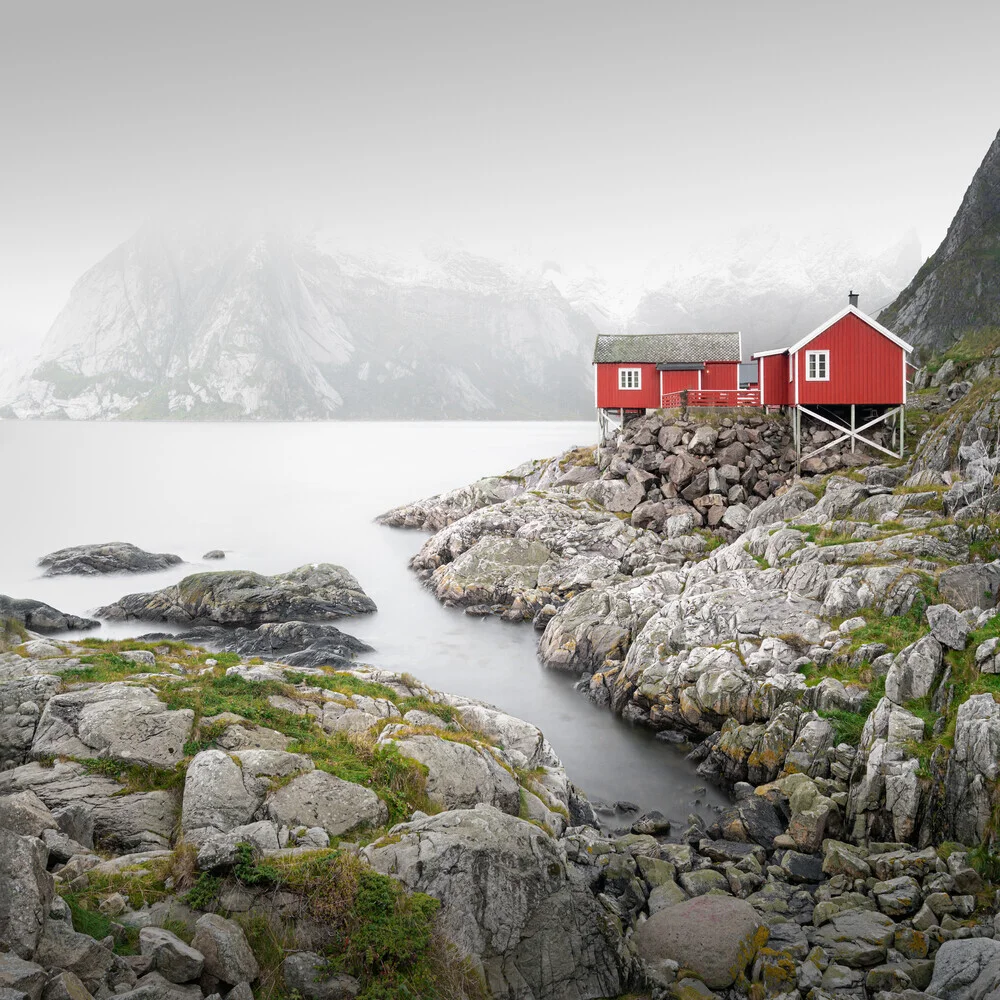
849, 433
853, 439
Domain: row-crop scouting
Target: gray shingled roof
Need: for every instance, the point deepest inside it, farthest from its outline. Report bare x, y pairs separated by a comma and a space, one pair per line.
663, 348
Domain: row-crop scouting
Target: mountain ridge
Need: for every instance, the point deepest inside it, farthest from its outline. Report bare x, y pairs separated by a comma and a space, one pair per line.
955, 290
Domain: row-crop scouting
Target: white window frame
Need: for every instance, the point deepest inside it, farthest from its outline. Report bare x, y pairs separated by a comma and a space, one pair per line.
820, 356
625, 376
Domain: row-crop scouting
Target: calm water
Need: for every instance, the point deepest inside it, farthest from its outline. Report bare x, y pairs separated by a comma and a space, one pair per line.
275, 496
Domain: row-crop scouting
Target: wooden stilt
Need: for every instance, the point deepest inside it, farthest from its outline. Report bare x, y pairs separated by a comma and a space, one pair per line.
853, 439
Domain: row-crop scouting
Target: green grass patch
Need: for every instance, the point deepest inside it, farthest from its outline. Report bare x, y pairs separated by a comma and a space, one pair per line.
375, 930
136, 777
95, 924
213, 694
342, 683
712, 540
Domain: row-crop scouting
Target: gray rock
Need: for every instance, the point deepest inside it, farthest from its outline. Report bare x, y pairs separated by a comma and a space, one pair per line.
25, 893
65, 986
948, 626
36, 616
508, 901
219, 851
856, 938
172, 958
714, 936
898, 897
19, 975
914, 671
111, 557
460, 776
314, 592
117, 721
61, 947
214, 554
305, 974
976, 585
227, 955
25, 813
141, 821
295, 643
966, 969
321, 799
214, 794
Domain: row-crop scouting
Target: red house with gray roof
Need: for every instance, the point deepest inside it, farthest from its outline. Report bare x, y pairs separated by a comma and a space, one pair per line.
644, 371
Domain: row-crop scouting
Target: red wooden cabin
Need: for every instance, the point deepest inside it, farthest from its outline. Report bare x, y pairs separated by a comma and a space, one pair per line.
646, 371
849, 360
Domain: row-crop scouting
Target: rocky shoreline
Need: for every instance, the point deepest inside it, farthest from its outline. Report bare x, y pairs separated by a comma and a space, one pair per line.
266, 817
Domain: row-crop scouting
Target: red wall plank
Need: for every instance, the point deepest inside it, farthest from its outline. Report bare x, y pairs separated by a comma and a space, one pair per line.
721, 375
774, 375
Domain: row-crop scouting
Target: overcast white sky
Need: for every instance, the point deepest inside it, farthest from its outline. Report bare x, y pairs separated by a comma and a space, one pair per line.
606, 132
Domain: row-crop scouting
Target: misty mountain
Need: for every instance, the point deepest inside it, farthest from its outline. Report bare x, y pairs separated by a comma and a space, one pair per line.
958, 288
200, 325
273, 328
773, 290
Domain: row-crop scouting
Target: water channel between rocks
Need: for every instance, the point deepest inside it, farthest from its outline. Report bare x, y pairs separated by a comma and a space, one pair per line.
278, 495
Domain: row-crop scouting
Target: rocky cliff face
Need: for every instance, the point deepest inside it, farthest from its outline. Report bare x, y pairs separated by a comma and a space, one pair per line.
270, 327
957, 288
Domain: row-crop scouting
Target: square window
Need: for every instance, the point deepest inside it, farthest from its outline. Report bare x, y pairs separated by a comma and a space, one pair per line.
629, 378
817, 366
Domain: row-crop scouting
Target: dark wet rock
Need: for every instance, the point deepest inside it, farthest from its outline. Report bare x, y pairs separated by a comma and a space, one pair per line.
214, 554
38, 616
311, 593
299, 644
110, 557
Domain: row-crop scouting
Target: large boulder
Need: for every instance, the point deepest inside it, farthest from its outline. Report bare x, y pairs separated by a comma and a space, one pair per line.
492, 571
118, 721
461, 776
136, 822
507, 900
63, 948
25, 893
857, 938
324, 800
40, 617
298, 644
966, 969
227, 954
976, 585
307, 975
716, 937
19, 978
25, 813
948, 626
914, 671
782, 508
111, 557
171, 957
314, 592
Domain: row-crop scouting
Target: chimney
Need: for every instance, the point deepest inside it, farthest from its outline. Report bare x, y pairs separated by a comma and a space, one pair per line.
852, 298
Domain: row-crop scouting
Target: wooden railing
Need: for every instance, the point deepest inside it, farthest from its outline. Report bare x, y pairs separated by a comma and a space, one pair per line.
711, 397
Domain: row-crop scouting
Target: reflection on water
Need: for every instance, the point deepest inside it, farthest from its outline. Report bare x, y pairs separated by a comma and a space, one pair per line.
275, 496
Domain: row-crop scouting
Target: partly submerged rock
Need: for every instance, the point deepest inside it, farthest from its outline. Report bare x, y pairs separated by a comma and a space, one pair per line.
109, 557
299, 644
40, 617
314, 592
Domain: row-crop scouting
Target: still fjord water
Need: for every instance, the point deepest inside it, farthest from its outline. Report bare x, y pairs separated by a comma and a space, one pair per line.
275, 496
